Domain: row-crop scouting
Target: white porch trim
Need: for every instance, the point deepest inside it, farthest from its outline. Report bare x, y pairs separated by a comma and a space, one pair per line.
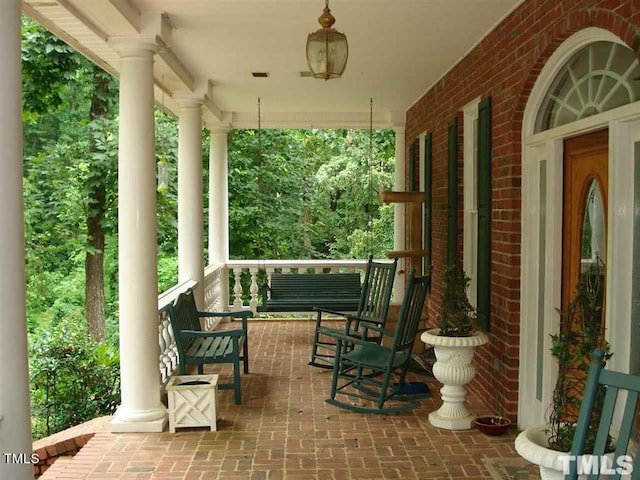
141, 409
219, 205
542, 159
15, 414
190, 213
399, 212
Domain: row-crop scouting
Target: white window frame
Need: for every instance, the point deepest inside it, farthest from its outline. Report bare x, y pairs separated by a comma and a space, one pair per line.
470, 197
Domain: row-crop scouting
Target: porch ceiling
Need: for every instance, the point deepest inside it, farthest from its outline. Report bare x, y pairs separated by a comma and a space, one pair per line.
397, 50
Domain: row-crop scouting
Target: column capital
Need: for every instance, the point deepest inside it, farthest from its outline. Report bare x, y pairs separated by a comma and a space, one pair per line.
139, 46
219, 129
188, 100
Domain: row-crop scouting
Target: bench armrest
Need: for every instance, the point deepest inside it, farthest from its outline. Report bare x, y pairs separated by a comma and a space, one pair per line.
212, 334
237, 313
242, 314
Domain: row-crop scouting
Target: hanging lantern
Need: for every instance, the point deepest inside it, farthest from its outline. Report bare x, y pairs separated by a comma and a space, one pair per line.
327, 49
163, 175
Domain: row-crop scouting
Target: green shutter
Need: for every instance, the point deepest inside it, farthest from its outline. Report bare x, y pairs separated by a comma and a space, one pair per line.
412, 166
484, 213
452, 193
428, 161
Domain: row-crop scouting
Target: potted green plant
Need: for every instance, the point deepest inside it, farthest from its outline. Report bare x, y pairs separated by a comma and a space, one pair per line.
454, 341
458, 317
580, 334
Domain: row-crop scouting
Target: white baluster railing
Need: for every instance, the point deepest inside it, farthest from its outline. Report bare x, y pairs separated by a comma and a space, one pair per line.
255, 268
237, 288
216, 294
168, 360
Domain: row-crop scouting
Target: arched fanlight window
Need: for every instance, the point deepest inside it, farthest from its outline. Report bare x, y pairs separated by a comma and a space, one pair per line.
599, 77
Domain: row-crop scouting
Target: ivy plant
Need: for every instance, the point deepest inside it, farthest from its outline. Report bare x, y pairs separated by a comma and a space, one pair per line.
581, 332
458, 316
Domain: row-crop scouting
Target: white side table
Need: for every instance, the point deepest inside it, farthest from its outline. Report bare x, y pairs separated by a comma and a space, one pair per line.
192, 401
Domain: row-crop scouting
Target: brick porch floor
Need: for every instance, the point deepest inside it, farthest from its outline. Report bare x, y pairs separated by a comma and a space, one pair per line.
285, 430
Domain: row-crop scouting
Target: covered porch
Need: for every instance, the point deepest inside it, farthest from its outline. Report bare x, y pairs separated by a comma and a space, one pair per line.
162, 53
284, 430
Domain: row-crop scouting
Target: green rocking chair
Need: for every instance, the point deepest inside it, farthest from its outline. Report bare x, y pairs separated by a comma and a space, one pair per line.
622, 391
370, 375
374, 306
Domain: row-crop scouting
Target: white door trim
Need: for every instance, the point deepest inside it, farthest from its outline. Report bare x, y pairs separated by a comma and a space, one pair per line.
541, 246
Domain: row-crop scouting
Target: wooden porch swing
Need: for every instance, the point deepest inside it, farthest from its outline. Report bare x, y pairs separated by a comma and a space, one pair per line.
334, 293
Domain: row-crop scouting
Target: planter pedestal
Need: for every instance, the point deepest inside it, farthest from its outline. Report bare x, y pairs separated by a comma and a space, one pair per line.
192, 401
454, 369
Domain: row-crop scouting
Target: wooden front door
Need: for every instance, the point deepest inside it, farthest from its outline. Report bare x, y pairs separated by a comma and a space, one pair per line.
584, 249
584, 210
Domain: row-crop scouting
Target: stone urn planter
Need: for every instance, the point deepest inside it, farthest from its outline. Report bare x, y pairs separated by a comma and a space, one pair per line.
532, 444
454, 369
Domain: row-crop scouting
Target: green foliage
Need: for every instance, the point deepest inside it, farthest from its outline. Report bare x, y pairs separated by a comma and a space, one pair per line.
580, 334
376, 241
47, 64
167, 272
73, 379
63, 298
167, 201
309, 193
458, 315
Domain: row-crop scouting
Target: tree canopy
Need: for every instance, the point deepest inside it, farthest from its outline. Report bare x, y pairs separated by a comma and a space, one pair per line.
310, 193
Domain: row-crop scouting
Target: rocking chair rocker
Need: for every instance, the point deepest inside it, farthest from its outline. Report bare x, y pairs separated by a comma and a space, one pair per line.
363, 370
373, 307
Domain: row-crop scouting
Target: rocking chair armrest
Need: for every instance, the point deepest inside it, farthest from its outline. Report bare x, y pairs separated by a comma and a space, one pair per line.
366, 321
212, 334
363, 323
343, 337
328, 310
378, 329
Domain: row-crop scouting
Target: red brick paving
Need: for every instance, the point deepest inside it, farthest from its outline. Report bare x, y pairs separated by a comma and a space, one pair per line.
284, 430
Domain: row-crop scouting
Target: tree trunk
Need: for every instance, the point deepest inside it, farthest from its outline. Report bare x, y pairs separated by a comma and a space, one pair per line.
94, 272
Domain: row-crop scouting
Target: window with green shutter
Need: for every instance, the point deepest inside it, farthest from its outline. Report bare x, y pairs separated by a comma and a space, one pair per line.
427, 203
452, 193
484, 213
414, 151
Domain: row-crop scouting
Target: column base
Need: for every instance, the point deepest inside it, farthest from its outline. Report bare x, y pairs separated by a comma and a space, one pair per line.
139, 423
451, 423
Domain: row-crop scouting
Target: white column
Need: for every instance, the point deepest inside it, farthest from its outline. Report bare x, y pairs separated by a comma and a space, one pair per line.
141, 409
15, 412
398, 213
219, 205
190, 213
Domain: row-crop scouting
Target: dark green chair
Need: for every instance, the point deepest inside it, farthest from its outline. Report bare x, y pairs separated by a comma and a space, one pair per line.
368, 376
373, 307
197, 347
619, 427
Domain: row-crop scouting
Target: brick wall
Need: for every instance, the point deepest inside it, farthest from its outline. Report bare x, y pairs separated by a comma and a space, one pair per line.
505, 66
